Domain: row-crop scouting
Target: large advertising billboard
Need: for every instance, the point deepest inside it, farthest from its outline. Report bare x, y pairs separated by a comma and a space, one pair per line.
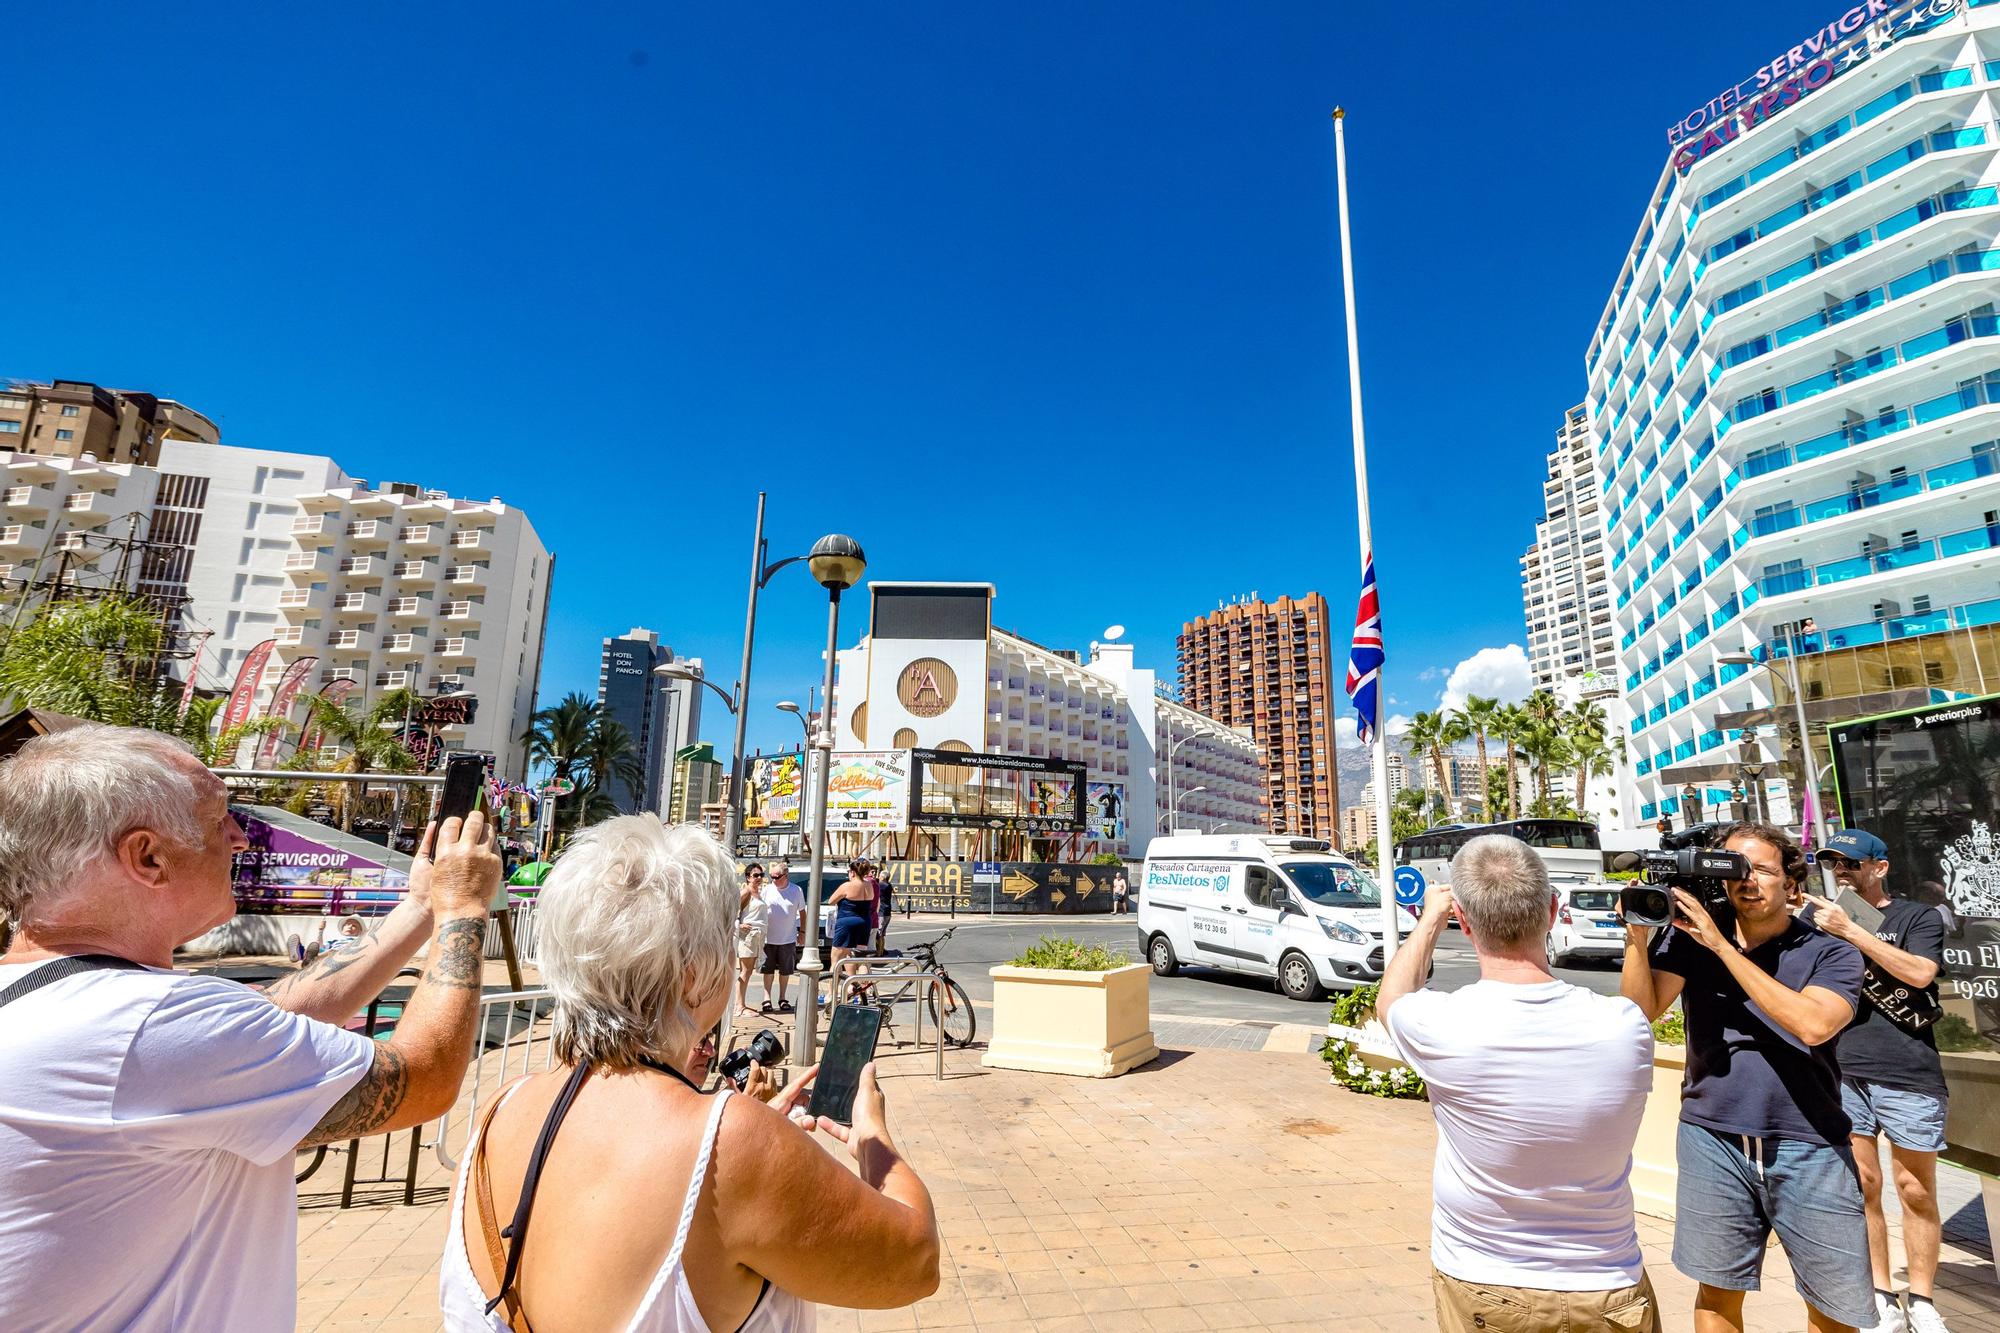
1023, 886
1107, 811
774, 792
868, 791
1005, 792
1927, 782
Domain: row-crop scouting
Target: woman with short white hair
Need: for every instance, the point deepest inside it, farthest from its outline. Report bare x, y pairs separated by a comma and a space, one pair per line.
659, 1207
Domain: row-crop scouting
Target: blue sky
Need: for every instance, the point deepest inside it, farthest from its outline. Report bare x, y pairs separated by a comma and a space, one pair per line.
1041, 294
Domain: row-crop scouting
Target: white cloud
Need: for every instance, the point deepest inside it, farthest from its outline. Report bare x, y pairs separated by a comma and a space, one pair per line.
1344, 730
1496, 672
1398, 724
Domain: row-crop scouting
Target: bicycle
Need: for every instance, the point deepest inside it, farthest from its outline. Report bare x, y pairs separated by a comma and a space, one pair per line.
949, 1006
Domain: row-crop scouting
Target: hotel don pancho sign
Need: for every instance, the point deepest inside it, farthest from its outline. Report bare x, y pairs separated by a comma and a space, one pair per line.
1864, 30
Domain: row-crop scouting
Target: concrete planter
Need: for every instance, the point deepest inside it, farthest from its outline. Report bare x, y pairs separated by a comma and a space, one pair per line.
1654, 1172
1092, 1024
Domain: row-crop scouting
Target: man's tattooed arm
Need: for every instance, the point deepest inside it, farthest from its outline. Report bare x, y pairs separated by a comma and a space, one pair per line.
415, 1074
457, 953
370, 1106
337, 985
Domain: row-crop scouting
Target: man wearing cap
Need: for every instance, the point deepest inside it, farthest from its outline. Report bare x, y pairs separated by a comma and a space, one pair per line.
1891, 1081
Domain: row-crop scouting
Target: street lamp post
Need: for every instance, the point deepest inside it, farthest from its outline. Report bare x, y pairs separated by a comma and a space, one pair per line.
1808, 768
760, 574
675, 671
837, 563
1176, 811
1174, 748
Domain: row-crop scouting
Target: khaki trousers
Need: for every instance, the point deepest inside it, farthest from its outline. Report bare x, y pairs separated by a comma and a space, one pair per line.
1478, 1307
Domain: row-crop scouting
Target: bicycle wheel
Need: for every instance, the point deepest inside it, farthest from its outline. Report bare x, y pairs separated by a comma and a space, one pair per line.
309, 1165
958, 1023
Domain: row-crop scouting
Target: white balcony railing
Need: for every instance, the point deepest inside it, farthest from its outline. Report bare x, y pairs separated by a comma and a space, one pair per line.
401, 643
332, 674
393, 680
454, 647
302, 560
289, 637
293, 598
344, 638
360, 564
422, 534
457, 610
469, 539
368, 530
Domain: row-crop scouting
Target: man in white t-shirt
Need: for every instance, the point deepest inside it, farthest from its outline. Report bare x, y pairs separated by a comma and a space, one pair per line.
148, 1118
785, 918
1537, 1086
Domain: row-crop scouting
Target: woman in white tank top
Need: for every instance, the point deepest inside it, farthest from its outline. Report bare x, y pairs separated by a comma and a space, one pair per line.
654, 1207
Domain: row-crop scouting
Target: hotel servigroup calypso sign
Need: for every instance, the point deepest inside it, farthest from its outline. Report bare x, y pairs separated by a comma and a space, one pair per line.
1849, 40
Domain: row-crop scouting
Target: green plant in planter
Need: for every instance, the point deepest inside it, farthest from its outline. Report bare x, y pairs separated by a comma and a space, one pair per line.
1356, 1007
1060, 953
1352, 1010
1670, 1029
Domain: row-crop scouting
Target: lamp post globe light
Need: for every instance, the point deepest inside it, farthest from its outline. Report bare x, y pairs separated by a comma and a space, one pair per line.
837, 562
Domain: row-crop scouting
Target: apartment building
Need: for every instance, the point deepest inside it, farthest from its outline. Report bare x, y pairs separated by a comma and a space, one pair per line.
1794, 405
1564, 592
697, 783
1358, 824
78, 419
387, 588
1269, 667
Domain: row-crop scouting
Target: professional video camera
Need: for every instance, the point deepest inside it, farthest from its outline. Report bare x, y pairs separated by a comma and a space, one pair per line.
1686, 860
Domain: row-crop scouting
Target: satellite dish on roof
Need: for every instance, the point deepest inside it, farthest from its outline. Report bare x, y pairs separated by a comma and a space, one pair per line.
1115, 633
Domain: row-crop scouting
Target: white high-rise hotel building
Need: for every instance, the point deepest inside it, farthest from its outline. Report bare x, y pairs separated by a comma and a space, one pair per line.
1564, 596
1794, 395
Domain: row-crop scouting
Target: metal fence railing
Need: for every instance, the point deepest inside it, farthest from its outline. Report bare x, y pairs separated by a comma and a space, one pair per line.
514, 1039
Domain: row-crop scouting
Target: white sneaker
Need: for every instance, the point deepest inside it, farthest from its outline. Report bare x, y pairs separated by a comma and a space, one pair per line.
1889, 1316
1924, 1318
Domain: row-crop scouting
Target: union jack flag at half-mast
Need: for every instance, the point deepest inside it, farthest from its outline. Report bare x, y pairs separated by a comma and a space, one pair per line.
1364, 661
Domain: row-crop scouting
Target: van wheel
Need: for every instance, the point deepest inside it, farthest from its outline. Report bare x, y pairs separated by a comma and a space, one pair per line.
1297, 979
1161, 953
1556, 959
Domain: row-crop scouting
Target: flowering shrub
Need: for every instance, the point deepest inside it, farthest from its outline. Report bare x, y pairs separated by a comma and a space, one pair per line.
1353, 1074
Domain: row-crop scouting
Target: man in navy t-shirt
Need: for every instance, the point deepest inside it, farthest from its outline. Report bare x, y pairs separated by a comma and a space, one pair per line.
1891, 1079
1763, 1138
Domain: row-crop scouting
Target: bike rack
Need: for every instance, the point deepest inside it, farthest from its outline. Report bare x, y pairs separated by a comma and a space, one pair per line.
898, 972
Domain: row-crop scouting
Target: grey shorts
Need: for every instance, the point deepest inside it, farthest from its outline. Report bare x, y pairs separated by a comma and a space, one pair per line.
1733, 1192
781, 958
1907, 1118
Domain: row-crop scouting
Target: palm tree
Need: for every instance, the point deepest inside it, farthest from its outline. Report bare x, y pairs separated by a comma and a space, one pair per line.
615, 762
1510, 723
1547, 749
219, 749
363, 742
1477, 717
1427, 736
558, 738
1591, 756
1587, 718
97, 660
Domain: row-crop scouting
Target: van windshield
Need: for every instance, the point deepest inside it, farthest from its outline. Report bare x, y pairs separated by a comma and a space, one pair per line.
1333, 885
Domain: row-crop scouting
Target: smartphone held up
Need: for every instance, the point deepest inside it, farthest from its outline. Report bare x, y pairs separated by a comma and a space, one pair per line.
850, 1044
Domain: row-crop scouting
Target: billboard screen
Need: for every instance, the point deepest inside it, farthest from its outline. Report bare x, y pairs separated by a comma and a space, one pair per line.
774, 792
869, 791
1006, 792
1107, 811
1927, 782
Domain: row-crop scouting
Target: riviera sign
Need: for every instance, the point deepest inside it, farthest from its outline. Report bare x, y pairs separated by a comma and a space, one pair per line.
1864, 30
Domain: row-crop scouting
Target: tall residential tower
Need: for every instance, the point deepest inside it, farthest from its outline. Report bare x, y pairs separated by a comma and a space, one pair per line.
1563, 589
1268, 667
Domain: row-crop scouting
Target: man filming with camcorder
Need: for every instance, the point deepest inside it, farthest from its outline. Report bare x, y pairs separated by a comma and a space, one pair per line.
1763, 1138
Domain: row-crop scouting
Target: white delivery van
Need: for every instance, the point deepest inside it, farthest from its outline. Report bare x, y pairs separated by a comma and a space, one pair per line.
1287, 908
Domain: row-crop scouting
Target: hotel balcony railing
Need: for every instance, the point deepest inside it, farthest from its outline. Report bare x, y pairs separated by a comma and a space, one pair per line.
1983, 462
1964, 615
421, 535
344, 639
370, 530
313, 525
1956, 331
1882, 561
394, 680
455, 647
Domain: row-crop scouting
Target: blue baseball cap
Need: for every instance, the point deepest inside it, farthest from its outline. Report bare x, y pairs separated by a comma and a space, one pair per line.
1857, 845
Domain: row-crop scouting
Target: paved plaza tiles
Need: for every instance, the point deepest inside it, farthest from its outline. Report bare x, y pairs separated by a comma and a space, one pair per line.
1217, 1188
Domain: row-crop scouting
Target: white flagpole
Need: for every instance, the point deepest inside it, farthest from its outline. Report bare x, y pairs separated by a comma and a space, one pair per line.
1385, 863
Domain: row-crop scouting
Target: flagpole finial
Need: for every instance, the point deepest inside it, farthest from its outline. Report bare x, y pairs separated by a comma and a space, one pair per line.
1339, 114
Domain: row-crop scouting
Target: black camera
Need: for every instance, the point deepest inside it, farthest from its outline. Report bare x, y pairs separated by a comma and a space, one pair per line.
764, 1049
1685, 861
